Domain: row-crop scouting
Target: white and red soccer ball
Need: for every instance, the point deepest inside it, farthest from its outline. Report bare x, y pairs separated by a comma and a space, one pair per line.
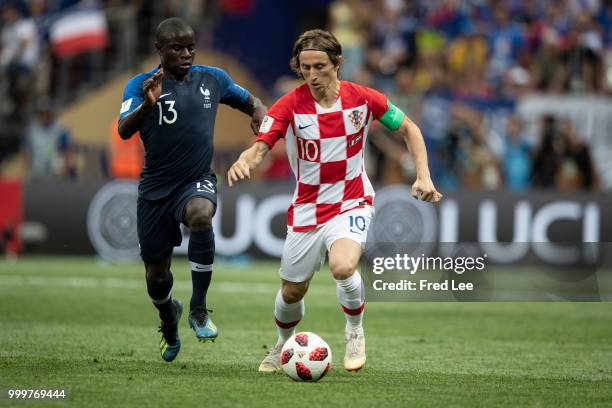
306, 357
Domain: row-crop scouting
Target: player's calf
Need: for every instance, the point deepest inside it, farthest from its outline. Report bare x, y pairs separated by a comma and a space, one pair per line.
201, 254
159, 286
287, 315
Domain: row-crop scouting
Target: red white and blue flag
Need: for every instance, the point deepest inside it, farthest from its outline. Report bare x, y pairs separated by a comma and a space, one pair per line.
79, 31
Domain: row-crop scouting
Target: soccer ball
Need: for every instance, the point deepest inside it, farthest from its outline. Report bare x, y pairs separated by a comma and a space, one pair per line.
306, 357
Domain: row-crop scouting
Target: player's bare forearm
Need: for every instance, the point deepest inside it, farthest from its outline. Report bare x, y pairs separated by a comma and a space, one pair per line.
132, 122
256, 153
248, 160
256, 110
423, 186
253, 104
416, 145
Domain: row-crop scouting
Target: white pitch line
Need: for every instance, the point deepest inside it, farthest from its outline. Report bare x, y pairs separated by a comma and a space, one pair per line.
119, 283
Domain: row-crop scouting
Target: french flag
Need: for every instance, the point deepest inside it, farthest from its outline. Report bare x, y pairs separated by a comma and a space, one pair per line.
79, 31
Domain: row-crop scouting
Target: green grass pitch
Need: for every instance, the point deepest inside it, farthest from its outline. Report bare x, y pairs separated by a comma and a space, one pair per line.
77, 324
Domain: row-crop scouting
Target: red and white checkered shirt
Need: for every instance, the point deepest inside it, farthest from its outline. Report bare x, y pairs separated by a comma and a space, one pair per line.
325, 149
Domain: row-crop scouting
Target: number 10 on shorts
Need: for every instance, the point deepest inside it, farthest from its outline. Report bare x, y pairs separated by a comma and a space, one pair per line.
357, 223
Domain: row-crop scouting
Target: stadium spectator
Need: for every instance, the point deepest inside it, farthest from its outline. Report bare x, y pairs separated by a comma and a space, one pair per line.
448, 17
562, 161
19, 49
505, 42
575, 169
546, 71
126, 156
435, 117
516, 156
409, 97
467, 62
48, 149
547, 156
582, 58
428, 55
395, 164
480, 168
348, 23
391, 162
393, 45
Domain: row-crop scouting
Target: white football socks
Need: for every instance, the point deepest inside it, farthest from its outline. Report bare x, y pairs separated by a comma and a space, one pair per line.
287, 316
351, 296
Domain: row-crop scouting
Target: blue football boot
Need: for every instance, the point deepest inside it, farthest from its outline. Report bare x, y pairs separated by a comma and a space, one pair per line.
202, 325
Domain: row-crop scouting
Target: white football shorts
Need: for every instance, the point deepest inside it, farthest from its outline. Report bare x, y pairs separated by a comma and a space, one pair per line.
304, 252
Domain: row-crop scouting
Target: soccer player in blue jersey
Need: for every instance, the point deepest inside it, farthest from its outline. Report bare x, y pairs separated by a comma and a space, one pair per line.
173, 106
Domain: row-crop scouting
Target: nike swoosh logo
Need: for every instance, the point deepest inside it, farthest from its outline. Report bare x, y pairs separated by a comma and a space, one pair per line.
161, 96
304, 127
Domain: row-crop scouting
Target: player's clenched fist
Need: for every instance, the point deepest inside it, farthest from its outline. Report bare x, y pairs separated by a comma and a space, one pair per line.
424, 189
152, 87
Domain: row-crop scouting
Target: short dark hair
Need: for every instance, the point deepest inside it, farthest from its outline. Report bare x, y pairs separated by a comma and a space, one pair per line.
319, 40
169, 27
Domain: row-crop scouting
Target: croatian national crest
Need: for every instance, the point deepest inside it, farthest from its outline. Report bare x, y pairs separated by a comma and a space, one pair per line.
356, 118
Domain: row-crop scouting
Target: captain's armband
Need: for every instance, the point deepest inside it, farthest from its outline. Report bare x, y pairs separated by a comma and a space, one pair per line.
393, 117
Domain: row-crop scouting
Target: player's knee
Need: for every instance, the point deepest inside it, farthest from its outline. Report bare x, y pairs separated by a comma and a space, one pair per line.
342, 268
199, 213
293, 293
158, 271
201, 221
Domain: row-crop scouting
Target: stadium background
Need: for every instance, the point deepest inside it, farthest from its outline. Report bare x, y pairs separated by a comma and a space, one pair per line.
513, 98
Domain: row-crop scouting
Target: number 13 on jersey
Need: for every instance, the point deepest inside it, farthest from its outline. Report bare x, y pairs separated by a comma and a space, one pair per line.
172, 114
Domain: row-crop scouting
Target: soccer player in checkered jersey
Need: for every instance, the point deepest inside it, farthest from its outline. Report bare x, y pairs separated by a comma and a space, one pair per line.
325, 122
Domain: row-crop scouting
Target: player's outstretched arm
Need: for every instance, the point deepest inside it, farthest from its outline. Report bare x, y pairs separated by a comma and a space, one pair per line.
423, 187
151, 89
248, 160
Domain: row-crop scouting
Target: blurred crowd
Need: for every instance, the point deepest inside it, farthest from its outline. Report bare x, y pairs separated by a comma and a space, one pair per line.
53, 52
458, 68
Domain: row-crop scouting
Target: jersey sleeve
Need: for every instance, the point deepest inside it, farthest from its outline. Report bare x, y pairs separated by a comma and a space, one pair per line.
383, 110
132, 96
377, 102
232, 94
275, 124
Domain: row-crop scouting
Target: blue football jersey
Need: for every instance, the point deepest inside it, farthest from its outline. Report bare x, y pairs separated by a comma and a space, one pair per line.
178, 133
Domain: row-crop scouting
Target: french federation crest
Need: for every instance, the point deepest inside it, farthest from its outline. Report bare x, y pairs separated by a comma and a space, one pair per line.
356, 118
205, 92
